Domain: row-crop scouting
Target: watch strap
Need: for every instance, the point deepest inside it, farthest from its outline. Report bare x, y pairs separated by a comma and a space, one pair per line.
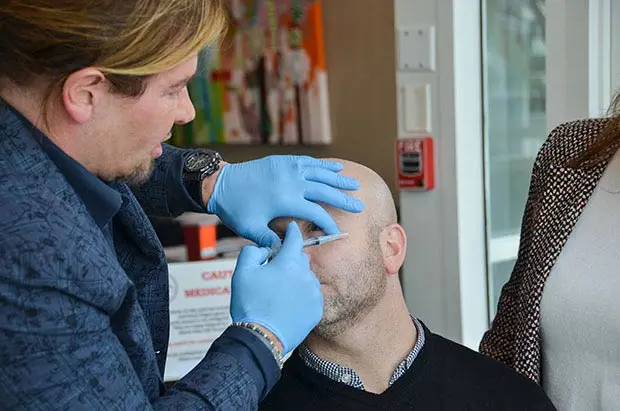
193, 179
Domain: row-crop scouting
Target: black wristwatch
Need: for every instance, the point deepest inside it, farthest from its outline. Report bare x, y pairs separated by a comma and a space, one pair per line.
199, 164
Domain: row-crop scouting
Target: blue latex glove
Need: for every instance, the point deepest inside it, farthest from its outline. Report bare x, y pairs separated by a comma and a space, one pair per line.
283, 295
247, 196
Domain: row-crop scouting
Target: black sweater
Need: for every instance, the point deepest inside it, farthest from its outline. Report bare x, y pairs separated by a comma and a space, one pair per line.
444, 376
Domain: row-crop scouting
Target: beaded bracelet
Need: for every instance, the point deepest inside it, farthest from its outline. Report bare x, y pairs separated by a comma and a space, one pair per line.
268, 341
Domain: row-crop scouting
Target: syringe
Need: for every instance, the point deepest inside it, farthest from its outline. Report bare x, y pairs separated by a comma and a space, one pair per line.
311, 242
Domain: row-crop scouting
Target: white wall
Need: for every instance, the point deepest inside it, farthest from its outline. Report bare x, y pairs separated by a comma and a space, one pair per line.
444, 274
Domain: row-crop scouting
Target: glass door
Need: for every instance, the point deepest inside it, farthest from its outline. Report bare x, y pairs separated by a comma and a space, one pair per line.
543, 63
515, 123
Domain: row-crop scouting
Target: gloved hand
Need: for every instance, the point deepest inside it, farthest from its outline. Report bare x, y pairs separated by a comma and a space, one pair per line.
247, 196
283, 295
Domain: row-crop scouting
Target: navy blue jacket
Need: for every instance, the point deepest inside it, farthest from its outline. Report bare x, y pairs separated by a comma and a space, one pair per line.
84, 315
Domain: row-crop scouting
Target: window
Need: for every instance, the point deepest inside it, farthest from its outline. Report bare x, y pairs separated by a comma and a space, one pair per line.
515, 123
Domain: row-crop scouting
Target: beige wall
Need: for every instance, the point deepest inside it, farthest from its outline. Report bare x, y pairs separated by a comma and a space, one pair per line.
359, 41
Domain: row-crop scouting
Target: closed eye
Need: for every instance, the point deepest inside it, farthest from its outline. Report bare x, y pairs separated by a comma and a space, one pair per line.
313, 229
308, 230
177, 92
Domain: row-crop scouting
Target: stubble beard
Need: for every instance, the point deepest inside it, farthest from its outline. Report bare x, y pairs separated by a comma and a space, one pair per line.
139, 175
365, 287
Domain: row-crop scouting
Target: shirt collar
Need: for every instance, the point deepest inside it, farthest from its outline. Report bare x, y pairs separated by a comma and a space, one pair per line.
101, 200
348, 376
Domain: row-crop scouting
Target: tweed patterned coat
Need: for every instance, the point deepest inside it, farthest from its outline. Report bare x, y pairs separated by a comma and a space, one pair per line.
557, 196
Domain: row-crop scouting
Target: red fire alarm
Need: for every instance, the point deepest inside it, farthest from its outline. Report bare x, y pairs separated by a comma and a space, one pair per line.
415, 168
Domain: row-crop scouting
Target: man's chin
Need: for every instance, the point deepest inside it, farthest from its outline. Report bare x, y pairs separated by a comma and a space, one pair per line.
139, 175
328, 330
331, 325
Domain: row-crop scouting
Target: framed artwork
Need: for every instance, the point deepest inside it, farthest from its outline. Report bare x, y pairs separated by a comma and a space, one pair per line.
266, 83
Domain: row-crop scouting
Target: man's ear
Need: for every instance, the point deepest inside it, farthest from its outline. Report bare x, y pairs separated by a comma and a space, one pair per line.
394, 248
81, 90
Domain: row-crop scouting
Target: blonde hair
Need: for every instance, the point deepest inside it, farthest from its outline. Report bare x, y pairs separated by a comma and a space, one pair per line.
127, 40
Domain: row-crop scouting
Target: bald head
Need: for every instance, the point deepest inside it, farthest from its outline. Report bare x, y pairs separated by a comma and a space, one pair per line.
380, 210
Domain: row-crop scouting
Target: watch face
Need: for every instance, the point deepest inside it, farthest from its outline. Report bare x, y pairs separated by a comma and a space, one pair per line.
197, 161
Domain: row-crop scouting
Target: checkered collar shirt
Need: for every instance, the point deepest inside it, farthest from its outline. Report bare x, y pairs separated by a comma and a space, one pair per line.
348, 376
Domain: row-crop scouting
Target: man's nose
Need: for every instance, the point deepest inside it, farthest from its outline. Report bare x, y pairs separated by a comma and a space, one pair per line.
187, 110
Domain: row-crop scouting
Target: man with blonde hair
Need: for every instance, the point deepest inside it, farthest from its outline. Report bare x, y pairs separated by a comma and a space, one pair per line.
89, 92
368, 352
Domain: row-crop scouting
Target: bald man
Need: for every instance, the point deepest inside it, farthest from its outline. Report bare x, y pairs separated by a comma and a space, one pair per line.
368, 352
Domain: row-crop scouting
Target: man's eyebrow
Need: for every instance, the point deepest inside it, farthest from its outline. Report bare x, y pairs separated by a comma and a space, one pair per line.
183, 81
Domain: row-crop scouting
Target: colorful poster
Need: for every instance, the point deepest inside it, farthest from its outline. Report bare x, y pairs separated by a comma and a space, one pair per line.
267, 82
199, 311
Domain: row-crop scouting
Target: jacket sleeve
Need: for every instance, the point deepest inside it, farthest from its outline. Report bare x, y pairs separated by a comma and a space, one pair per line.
65, 316
164, 194
499, 341
89, 369
237, 373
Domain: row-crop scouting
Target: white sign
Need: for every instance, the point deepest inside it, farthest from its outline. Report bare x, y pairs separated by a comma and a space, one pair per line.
199, 312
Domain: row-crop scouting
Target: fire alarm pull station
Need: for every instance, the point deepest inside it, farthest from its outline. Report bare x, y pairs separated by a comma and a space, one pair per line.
415, 163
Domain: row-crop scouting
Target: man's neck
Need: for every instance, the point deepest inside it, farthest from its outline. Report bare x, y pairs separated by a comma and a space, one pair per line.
375, 345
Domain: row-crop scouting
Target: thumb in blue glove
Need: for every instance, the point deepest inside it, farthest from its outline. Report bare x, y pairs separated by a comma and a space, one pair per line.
284, 295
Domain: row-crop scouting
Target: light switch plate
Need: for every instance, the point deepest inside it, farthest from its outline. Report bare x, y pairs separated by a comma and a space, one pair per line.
416, 48
416, 108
